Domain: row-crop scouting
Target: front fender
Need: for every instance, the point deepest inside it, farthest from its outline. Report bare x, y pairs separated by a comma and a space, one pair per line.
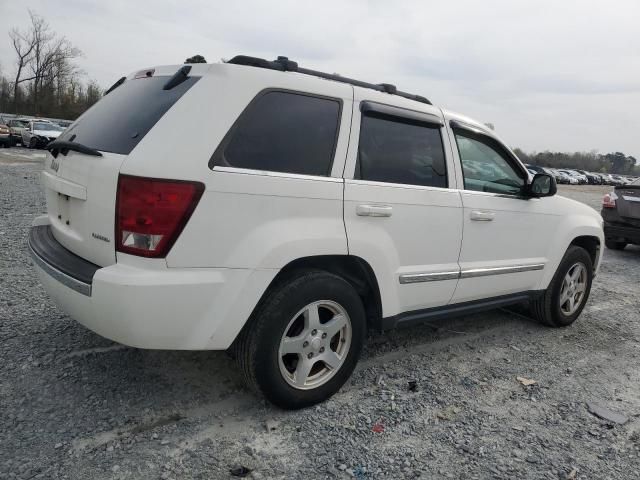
586, 224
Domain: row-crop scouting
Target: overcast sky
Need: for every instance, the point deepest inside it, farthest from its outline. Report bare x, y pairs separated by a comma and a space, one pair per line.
559, 75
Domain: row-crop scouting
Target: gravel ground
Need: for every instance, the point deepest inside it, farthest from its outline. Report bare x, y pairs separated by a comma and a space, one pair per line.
77, 406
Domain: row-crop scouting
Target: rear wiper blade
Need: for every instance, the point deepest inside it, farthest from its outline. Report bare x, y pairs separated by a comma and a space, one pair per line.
180, 76
62, 146
115, 85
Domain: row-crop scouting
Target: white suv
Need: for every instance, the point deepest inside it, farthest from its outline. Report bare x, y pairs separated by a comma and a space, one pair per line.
305, 209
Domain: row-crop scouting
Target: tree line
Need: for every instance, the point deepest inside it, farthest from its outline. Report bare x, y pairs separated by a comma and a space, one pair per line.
616, 162
46, 81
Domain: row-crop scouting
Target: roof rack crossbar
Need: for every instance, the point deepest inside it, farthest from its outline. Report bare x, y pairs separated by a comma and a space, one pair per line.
283, 64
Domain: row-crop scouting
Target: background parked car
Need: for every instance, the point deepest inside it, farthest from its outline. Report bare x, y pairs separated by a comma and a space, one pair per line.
557, 175
566, 178
621, 215
16, 126
38, 133
592, 178
5, 134
64, 123
619, 180
580, 179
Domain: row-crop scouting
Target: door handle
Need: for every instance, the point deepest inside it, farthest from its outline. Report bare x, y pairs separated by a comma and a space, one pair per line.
374, 210
482, 216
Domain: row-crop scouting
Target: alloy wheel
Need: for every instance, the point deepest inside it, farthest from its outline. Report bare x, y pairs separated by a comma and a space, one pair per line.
315, 344
574, 287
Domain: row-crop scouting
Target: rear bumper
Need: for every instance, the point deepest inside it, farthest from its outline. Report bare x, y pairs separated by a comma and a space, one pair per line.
157, 308
58, 262
628, 233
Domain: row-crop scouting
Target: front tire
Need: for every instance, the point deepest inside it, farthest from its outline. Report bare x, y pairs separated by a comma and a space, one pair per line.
304, 340
567, 294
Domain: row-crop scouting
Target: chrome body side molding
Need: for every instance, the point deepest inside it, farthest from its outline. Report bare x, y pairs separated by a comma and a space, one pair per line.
483, 272
428, 277
469, 273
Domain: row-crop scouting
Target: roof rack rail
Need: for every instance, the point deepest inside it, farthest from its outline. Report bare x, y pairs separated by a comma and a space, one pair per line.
283, 64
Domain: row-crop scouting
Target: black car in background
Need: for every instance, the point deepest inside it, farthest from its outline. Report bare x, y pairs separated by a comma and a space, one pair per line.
592, 178
621, 215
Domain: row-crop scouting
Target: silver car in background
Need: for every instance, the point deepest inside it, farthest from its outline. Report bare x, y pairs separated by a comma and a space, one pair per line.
38, 133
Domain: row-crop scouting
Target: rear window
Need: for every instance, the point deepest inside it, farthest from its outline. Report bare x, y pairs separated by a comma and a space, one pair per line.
283, 132
122, 118
395, 150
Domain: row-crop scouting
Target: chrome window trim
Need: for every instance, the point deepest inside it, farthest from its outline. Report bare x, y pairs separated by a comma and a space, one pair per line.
72, 283
498, 195
374, 183
468, 273
267, 173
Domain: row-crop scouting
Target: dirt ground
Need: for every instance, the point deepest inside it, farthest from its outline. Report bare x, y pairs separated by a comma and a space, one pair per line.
76, 406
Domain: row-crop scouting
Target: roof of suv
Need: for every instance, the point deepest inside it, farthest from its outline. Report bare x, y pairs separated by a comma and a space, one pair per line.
283, 64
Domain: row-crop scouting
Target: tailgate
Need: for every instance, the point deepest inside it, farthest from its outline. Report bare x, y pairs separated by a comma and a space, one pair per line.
628, 201
81, 194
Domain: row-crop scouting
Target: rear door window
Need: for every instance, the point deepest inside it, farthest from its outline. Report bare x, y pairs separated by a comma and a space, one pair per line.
395, 150
283, 132
123, 117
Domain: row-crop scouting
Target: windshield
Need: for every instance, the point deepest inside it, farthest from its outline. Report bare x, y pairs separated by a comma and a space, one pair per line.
44, 126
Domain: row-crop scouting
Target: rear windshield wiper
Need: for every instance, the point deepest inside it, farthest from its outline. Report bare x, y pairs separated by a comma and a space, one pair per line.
120, 81
180, 76
63, 146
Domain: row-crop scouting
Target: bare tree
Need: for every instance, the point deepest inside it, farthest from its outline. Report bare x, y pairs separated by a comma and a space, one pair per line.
47, 80
24, 44
51, 58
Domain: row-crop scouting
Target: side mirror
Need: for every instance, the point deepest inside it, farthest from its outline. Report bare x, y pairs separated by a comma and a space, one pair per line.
542, 185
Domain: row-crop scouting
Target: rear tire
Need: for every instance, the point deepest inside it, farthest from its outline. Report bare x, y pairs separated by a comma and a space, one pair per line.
613, 245
285, 322
565, 297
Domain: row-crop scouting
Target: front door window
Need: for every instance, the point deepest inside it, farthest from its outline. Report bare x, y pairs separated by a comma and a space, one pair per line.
486, 168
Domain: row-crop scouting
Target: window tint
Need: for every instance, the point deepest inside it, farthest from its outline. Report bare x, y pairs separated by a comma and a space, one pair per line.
486, 167
394, 151
284, 132
122, 118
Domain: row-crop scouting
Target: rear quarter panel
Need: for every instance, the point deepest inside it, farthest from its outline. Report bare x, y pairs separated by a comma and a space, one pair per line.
245, 218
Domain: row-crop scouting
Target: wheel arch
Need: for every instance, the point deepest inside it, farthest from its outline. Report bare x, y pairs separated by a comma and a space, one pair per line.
592, 245
589, 237
355, 270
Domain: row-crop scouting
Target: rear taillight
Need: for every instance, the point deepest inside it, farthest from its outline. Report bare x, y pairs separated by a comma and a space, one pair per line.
609, 200
151, 213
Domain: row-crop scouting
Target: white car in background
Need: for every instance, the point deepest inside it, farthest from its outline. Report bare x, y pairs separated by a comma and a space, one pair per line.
580, 178
308, 208
38, 133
